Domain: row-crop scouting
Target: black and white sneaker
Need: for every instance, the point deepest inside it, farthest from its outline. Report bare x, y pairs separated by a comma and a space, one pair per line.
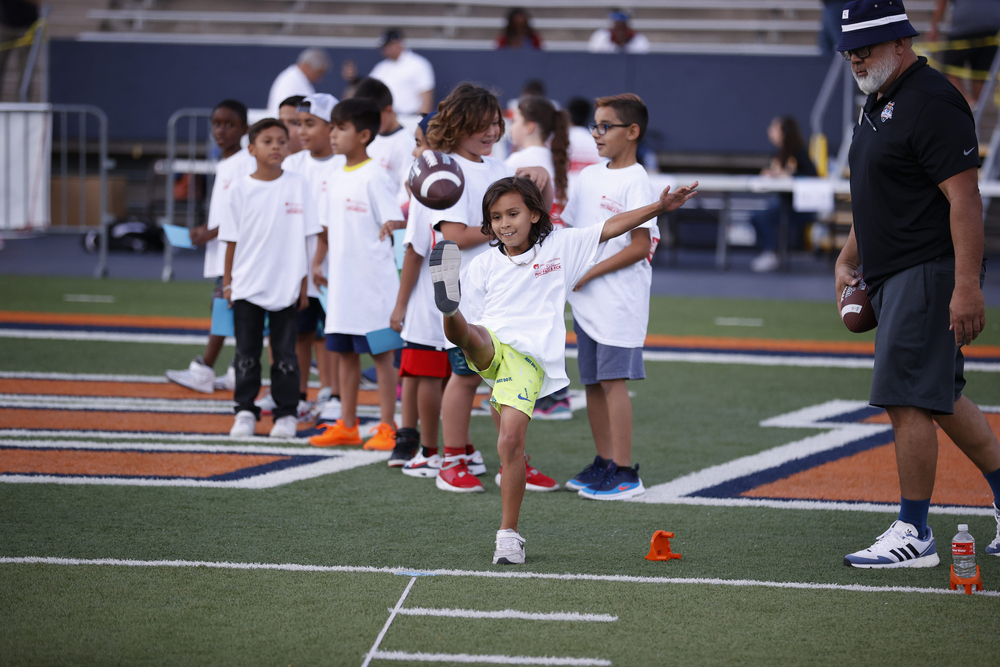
445, 263
407, 444
509, 548
897, 547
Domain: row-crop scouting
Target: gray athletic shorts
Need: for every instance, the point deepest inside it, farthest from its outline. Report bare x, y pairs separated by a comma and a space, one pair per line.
917, 362
598, 361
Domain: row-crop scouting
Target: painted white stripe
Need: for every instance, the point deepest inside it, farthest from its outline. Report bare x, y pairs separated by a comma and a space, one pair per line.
89, 298
110, 336
488, 574
874, 23
465, 658
739, 322
266, 447
116, 403
571, 616
385, 628
82, 377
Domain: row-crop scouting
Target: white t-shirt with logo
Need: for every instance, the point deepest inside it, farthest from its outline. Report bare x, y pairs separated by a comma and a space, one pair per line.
233, 168
269, 222
468, 210
394, 153
407, 78
318, 172
614, 308
524, 305
361, 269
422, 324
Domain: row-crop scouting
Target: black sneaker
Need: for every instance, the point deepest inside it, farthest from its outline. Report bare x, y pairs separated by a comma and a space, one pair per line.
445, 262
592, 474
619, 483
407, 443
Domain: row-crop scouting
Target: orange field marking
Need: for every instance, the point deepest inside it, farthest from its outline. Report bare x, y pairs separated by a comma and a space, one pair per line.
95, 320
131, 464
871, 476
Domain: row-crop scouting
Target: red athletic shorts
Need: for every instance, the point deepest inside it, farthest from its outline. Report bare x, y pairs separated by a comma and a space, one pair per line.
424, 361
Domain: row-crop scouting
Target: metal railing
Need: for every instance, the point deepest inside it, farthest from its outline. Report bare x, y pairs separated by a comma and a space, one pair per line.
188, 165
34, 135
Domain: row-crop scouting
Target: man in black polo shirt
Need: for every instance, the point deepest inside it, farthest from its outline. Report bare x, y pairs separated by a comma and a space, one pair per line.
918, 240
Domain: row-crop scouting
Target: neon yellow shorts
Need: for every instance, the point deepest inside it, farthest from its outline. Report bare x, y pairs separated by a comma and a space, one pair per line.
516, 378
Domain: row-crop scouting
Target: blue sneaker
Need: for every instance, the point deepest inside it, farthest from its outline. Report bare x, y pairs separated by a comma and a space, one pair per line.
897, 547
592, 474
618, 484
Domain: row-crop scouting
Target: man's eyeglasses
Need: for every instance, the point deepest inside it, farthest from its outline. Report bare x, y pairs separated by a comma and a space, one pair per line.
861, 52
602, 128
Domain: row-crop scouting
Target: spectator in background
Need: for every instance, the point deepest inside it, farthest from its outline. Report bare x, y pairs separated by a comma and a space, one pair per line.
829, 31
974, 24
618, 38
410, 77
16, 18
519, 34
298, 79
792, 159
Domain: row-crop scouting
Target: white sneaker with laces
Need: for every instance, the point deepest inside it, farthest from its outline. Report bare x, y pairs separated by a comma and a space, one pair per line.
423, 466
332, 411
765, 262
244, 425
445, 263
266, 403
304, 411
897, 547
285, 428
510, 548
993, 548
198, 376
475, 463
227, 382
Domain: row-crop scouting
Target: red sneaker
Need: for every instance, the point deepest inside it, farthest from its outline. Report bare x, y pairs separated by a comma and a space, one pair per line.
455, 476
536, 481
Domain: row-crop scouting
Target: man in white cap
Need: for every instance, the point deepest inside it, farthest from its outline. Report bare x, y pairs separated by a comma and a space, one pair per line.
917, 239
298, 79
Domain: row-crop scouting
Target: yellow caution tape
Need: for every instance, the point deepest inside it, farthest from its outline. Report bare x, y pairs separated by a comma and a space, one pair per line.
927, 48
27, 39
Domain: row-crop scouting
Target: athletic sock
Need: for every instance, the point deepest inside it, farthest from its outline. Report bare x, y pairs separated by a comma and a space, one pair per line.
302, 396
470, 450
455, 451
994, 481
914, 512
428, 451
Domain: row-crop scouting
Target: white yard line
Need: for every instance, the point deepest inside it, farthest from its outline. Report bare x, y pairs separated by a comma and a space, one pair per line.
466, 658
388, 622
488, 574
570, 616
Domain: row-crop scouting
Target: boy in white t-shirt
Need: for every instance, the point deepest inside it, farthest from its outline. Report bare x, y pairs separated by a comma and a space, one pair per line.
288, 113
393, 147
359, 214
271, 213
517, 343
611, 302
229, 124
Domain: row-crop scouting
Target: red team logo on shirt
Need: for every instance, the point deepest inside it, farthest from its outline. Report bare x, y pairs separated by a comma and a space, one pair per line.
357, 206
293, 208
611, 205
547, 267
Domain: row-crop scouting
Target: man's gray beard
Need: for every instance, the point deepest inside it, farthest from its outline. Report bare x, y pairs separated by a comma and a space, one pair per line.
878, 74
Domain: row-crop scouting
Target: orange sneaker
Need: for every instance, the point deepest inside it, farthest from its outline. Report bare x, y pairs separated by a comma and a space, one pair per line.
336, 434
384, 439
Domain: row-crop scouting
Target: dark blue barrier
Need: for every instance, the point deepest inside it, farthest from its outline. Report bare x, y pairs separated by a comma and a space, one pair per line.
697, 103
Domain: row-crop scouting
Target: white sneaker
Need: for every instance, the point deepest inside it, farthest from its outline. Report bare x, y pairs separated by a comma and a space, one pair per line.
226, 382
304, 411
423, 466
475, 463
445, 264
765, 262
198, 376
285, 428
897, 547
266, 403
332, 411
244, 425
510, 548
993, 548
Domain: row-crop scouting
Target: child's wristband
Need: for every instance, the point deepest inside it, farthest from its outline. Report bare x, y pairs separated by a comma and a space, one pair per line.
227, 288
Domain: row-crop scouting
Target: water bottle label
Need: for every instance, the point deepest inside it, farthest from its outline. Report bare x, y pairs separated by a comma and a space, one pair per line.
963, 548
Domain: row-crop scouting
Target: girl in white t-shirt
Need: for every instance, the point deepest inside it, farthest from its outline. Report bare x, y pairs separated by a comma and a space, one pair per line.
540, 133
518, 341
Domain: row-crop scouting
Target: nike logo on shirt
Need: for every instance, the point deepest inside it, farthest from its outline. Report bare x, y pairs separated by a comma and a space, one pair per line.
969, 151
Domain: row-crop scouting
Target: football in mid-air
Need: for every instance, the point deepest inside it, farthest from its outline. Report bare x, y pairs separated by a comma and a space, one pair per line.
856, 308
436, 180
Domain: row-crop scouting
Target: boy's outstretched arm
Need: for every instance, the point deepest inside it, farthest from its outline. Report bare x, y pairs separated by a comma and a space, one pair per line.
629, 220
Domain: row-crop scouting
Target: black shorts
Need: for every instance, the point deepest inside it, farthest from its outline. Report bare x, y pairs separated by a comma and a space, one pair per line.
311, 317
979, 54
917, 362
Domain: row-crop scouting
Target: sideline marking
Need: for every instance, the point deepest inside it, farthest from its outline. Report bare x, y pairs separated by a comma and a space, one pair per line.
489, 574
739, 322
385, 628
89, 298
489, 659
510, 613
685, 490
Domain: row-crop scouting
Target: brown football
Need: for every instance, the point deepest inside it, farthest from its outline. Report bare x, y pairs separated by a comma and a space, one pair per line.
856, 308
436, 180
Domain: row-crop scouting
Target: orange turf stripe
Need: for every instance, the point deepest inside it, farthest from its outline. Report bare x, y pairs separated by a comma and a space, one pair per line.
90, 319
135, 464
870, 476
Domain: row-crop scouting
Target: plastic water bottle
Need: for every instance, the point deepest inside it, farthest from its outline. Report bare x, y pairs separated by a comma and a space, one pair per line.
963, 553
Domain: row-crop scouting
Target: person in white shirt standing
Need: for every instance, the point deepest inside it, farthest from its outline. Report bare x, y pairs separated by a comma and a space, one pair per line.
229, 124
271, 213
298, 79
393, 147
619, 37
517, 342
408, 75
359, 215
